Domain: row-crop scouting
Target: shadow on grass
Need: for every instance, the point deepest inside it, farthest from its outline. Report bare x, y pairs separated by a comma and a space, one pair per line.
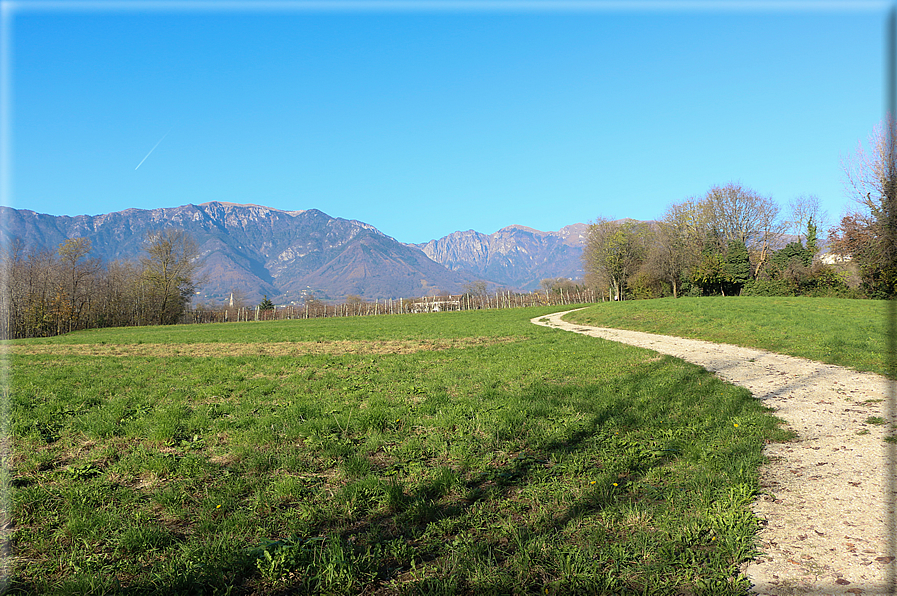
454, 532
481, 541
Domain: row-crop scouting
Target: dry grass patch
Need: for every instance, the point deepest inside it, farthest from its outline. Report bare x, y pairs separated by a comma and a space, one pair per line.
220, 350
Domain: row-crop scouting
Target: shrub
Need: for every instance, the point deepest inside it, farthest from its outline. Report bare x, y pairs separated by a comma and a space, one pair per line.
768, 287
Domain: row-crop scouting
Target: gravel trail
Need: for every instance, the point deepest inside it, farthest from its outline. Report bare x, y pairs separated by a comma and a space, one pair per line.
826, 502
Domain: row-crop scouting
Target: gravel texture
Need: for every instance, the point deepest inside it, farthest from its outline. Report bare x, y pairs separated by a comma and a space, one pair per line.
826, 503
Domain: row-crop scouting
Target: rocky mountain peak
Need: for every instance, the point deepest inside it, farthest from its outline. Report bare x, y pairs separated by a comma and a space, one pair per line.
252, 250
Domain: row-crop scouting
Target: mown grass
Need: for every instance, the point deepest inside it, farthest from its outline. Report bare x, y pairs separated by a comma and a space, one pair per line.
486, 456
832, 330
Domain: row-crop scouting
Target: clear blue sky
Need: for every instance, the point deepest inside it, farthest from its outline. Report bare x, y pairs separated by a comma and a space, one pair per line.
423, 120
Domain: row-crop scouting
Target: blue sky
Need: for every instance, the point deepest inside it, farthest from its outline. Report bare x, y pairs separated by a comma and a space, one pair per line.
423, 119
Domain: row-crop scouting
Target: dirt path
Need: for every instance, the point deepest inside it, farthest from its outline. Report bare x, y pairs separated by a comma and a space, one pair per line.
826, 502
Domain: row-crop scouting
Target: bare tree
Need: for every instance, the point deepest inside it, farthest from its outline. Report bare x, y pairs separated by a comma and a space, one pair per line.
354, 304
14, 292
169, 273
866, 171
477, 292
677, 242
739, 214
477, 288
806, 211
119, 295
869, 232
79, 274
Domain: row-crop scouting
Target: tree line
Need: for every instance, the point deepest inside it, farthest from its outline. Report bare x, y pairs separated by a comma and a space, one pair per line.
554, 291
734, 241
731, 240
49, 292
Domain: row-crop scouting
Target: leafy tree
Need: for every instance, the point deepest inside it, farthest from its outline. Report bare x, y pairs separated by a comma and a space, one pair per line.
811, 237
614, 252
737, 267
710, 273
793, 251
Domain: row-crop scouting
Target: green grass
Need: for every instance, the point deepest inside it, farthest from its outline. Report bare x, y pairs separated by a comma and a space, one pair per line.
455, 453
832, 330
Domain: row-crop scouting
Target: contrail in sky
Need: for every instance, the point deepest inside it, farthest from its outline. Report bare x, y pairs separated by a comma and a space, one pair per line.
153, 149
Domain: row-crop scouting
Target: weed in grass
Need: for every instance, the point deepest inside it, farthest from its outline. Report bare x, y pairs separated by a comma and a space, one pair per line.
875, 420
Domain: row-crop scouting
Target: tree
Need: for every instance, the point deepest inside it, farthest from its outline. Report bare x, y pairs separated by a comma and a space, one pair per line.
266, 305
868, 233
119, 295
557, 284
710, 273
78, 272
806, 211
735, 213
867, 171
476, 288
812, 240
677, 242
38, 272
169, 274
614, 252
354, 304
737, 266
476, 291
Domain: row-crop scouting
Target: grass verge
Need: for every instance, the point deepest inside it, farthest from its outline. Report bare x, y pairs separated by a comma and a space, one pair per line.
832, 330
536, 461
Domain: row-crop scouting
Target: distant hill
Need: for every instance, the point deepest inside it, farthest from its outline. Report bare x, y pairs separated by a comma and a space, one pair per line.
254, 251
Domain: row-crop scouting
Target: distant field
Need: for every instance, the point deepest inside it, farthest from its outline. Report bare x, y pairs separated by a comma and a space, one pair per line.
452, 453
837, 331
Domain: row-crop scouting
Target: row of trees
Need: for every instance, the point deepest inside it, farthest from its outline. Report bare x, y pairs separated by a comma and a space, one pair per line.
717, 244
555, 291
733, 241
49, 292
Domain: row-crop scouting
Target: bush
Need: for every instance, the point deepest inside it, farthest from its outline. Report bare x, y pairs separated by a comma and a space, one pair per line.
767, 287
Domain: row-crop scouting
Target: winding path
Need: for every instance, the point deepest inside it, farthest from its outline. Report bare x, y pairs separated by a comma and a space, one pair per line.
826, 501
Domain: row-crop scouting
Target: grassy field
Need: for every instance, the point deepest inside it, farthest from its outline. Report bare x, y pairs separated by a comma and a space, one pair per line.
452, 453
834, 330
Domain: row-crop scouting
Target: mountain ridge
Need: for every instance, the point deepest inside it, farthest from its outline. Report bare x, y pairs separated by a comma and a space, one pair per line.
516, 256
253, 250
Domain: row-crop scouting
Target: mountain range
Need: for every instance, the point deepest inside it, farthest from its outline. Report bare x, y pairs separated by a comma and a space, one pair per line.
253, 251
